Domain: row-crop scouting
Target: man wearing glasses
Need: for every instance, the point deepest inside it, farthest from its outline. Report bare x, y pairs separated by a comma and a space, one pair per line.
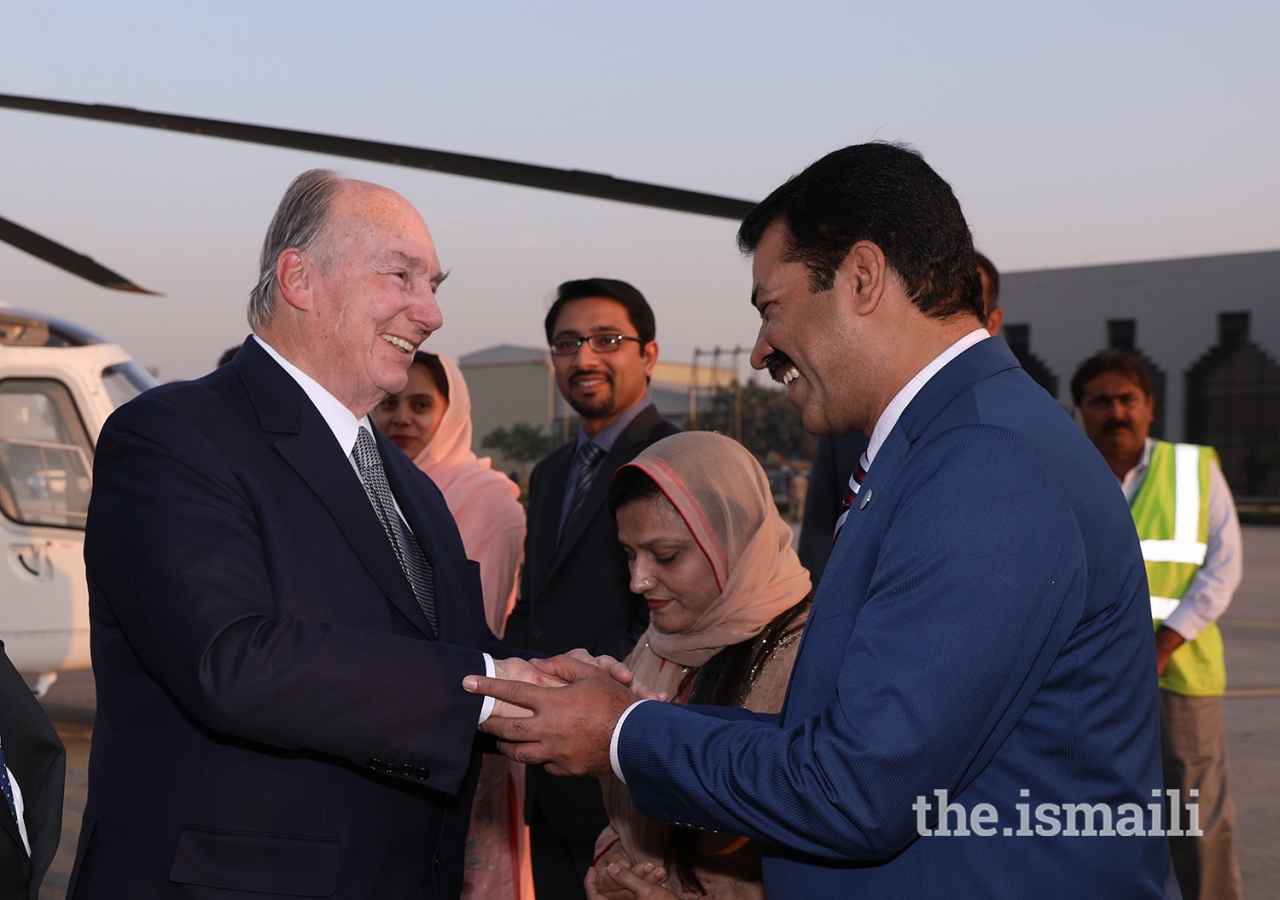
574, 589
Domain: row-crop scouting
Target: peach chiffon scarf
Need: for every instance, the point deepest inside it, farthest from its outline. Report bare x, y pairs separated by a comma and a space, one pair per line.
723, 495
483, 502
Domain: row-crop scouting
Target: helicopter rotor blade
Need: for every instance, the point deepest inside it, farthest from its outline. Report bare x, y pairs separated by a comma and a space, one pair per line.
570, 181
65, 258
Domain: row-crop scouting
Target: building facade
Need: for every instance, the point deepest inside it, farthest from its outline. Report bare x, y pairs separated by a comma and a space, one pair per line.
1207, 327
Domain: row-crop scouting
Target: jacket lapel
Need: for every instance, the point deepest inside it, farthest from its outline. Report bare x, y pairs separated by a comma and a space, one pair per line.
621, 453
423, 522
313, 452
9, 825
546, 503
980, 361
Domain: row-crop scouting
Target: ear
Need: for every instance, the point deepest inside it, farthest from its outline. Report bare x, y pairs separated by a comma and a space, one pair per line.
864, 276
650, 356
995, 319
293, 276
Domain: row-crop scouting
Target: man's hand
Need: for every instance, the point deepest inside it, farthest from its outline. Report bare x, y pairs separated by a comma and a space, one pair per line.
516, 669
570, 727
1167, 640
621, 882
620, 673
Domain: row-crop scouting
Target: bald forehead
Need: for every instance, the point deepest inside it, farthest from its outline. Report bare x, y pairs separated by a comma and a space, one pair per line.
364, 213
364, 201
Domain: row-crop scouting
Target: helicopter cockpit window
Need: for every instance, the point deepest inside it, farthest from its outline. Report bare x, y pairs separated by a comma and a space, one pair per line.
126, 381
45, 469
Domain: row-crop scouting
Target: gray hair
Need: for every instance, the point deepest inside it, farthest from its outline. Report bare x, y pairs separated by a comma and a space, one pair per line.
299, 224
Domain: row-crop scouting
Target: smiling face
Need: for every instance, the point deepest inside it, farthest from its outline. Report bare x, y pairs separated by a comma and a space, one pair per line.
412, 416
808, 339
667, 565
601, 386
366, 300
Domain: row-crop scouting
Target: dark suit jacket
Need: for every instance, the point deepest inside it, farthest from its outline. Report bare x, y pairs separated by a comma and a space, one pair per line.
833, 462
38, 761
983, 628
578, 595
272, 716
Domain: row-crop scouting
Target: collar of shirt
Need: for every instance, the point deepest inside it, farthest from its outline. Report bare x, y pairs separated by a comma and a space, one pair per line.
344, 425
903, 398
1133, 478
608, 436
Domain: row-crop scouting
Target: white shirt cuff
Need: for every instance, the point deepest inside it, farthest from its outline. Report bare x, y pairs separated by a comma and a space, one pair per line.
613, 741
486, 708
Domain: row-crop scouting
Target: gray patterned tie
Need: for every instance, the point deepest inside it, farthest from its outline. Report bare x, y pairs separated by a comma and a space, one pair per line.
589, 456
412, 561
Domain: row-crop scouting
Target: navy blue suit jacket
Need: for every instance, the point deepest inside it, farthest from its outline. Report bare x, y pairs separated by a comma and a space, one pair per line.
272, 716
983, 628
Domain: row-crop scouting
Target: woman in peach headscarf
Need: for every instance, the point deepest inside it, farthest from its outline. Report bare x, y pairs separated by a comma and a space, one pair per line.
430, 420
728, 599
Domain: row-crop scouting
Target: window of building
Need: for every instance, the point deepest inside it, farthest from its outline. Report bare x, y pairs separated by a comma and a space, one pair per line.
45, 469
1018, 337
1233, 404
1122, 334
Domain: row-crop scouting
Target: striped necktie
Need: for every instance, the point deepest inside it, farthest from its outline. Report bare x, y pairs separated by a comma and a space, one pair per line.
851, 492
408, 552
589, 456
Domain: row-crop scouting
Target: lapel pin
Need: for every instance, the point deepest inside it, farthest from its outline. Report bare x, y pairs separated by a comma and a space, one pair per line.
865, 500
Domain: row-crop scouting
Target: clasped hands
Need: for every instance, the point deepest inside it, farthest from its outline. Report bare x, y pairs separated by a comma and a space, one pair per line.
559, 711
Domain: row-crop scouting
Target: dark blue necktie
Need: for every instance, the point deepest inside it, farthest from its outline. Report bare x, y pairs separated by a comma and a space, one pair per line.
589, 456
6, 786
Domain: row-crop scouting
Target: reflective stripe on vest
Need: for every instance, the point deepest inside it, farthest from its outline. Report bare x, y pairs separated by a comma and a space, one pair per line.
1171, 513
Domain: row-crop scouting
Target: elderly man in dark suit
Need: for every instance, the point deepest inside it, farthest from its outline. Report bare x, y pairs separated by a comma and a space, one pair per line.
575, 588
281, 605
972, 711
33, 765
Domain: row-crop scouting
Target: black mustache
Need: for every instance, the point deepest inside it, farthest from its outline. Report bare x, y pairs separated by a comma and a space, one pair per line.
776, 362
1116, 425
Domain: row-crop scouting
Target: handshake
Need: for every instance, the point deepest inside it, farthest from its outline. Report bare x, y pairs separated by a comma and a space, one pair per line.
560, 711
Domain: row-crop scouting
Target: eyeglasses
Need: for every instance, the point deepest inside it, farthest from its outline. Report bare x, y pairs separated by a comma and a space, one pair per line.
600, 343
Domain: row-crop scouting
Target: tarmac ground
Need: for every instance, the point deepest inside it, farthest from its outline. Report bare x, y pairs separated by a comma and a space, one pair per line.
1251, 633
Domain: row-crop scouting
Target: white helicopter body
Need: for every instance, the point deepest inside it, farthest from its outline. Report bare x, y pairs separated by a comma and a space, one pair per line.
58, 384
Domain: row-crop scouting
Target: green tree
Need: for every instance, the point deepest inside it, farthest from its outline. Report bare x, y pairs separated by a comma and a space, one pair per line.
522, 443
770, 424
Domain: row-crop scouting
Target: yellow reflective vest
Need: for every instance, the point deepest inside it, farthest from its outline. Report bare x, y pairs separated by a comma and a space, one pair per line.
1171, 512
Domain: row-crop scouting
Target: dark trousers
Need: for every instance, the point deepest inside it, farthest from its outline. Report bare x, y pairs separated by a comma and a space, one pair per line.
1194, 751
560, 862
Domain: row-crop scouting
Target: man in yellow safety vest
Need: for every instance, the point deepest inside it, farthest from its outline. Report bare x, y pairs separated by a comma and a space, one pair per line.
1190, 535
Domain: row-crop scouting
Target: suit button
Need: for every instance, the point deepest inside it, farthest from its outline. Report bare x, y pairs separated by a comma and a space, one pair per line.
422, 774
537, 632
406, 770
375, 764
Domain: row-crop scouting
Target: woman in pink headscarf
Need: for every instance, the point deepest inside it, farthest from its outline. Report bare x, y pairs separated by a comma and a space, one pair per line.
430, 420
728, 599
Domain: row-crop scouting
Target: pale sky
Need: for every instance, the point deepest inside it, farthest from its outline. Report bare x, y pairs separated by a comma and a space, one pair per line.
1073, 133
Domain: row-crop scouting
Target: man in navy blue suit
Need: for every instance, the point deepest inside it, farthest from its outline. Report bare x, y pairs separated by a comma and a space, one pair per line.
970, 714
281, 606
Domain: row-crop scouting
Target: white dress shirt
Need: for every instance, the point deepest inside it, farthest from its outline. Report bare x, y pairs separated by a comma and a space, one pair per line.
346, 429
888, 419
1210, 592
